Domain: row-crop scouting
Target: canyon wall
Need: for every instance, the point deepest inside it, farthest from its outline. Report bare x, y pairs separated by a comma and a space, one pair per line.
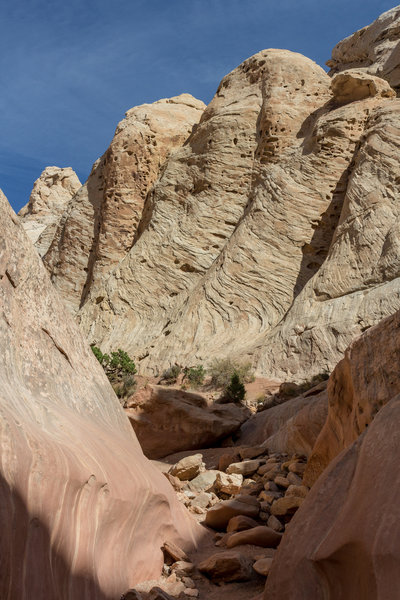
84, 513
264, 227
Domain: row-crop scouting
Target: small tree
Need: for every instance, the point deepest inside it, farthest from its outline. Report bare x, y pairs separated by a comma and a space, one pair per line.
235, 391
120, 370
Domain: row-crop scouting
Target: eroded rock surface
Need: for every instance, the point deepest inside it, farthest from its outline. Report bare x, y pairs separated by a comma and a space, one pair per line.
261, 233
342, 541
49, 199
167, 420
364, 381
306, 237
105, 219
373, 49
83, 513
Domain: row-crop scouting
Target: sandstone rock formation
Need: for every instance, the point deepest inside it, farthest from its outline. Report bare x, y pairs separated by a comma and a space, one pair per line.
167, 420
342, 543
282, 278
373, 49
83, 513
262, 229
292, 427
106, 217
364, 381
49, 199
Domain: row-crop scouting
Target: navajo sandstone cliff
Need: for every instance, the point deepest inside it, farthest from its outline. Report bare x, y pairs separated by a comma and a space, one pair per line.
268, 220
84, 513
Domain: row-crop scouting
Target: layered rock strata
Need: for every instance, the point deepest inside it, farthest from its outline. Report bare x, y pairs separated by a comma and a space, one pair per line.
83, 513
273, 225
106, 217
374, 49
49, 199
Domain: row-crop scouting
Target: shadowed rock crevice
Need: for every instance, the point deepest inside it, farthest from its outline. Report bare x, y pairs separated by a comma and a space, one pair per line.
26, 549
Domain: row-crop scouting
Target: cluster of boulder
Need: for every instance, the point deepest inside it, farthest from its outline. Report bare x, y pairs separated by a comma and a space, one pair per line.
249, 500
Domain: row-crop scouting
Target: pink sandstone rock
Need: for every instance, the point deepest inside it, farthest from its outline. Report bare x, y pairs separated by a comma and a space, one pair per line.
343, 541
83, 513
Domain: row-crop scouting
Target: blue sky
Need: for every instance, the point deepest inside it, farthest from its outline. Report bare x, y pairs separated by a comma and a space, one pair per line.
69, 70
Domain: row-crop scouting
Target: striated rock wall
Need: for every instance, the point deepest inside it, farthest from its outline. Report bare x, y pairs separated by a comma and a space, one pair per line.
83, 513
322, 188
269, 233
49, 199
364, 381
103, 221
215, 265
342, 541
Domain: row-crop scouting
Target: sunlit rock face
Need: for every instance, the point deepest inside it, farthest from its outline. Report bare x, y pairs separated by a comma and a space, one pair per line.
49, 199
264, 227
104, 219
272, 233
83, 513
342, 542
373, 49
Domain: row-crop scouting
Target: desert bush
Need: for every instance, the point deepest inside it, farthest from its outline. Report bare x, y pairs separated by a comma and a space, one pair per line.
171, 374
195, 375
222, 370
120, 370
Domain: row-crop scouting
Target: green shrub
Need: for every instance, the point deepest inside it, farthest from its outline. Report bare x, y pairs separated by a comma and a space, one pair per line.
120, 370
195, 375
235, 391
222, 369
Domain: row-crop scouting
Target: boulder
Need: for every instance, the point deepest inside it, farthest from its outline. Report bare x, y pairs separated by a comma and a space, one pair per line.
167, 420
227, 567
228, 483
352, 85
258, 536
219, 515
204, 482
188, 468
286, 505
263, 566
240, 523
245, 468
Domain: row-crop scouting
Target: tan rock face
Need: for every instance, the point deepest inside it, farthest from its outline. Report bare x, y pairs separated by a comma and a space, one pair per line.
49, 198
358, 283
204, 272
342, 541
360, 385
267, 233
103, 222
73, 477
304, 196
373, 49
